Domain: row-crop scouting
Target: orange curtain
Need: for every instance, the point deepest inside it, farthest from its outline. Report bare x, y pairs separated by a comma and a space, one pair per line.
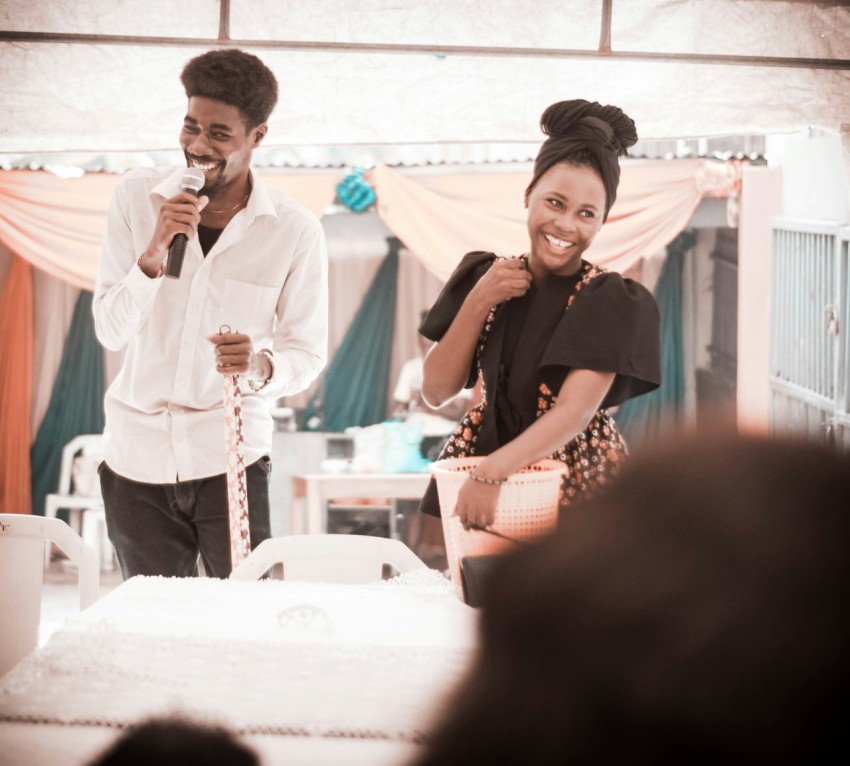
442, 216
16, 354
57, 223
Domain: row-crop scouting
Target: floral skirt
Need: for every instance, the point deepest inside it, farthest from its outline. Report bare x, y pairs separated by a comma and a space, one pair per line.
592, 459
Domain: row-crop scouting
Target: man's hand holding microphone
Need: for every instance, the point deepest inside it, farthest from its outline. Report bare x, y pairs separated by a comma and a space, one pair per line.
177, 223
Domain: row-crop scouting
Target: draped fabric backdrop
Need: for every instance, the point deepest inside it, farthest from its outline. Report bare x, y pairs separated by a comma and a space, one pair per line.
16, 311
439, 217
647, 417
56, 225
76, 406
354, 391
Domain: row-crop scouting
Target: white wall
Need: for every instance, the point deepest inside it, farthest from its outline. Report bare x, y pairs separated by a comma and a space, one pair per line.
815, 182
761, 200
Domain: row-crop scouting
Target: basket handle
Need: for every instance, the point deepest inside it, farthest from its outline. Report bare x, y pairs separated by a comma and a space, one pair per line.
479, 528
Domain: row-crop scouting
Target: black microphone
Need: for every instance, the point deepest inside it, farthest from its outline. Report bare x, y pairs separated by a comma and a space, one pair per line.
192, 181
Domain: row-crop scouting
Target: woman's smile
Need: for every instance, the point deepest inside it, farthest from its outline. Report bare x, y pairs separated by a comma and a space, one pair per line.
565, 210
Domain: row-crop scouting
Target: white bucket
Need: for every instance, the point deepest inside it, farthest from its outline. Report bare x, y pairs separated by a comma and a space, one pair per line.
527, 508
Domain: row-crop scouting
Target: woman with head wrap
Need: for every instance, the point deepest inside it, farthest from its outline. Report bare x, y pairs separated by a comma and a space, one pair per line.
556, 339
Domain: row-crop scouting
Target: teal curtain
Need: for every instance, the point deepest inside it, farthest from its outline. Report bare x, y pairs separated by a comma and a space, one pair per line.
76, 404
645, 418
354, 390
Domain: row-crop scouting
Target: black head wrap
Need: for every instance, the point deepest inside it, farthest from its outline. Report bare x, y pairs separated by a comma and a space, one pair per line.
585, 133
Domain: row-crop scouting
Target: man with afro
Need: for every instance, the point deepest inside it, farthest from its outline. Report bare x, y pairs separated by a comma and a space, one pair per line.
250, 300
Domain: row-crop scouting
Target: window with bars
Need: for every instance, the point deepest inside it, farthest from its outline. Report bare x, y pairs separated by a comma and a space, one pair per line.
809, 330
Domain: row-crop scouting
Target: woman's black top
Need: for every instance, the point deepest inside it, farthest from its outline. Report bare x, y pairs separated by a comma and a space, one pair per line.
593, 320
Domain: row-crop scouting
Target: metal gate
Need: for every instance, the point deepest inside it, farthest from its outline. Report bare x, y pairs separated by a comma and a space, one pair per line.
809, 323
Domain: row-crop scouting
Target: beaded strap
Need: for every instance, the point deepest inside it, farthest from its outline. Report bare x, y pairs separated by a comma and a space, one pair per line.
237, 491
485, 480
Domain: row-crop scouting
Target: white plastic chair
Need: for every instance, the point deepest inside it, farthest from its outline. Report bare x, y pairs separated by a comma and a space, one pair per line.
22, 542
328, 558
79, 492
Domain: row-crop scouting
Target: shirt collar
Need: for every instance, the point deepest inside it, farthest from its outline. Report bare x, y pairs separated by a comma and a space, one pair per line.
259, 203
170, 185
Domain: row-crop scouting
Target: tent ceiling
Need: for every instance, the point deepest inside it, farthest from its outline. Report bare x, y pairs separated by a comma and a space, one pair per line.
102, 75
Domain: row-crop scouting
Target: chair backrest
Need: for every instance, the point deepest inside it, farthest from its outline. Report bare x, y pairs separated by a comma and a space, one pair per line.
328, 558
87, 445
22, 541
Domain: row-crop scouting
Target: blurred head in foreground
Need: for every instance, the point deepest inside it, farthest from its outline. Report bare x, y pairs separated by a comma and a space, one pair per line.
176, 742
696, 612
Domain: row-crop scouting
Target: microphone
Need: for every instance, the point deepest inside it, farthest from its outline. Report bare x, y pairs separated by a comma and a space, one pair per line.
192, 181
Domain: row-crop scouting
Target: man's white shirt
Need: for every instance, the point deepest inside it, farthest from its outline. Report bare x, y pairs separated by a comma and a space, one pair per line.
266, 276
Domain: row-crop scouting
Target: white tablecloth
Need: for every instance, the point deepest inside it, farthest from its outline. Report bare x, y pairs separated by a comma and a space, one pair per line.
283, 659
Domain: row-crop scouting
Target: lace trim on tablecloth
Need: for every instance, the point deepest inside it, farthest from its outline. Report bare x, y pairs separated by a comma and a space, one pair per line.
325, 690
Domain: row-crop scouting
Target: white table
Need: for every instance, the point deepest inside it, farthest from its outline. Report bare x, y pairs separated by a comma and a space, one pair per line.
310, 492
304, 672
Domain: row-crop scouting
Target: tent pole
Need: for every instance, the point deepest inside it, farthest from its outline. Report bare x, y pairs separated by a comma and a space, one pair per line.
605, 31
446, 50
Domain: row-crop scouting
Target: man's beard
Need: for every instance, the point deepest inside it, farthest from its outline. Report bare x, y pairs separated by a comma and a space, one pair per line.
213, 190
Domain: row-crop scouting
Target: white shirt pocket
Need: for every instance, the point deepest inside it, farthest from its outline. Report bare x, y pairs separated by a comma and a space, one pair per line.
250, 309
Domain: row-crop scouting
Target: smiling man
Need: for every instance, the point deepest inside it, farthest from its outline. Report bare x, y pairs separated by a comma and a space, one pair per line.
250, 299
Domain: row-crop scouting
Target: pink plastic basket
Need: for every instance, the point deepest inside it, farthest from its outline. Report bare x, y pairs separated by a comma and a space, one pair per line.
527, 508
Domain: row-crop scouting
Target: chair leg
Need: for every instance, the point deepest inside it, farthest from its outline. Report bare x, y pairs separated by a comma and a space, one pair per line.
51, 511
94, 534
107, 559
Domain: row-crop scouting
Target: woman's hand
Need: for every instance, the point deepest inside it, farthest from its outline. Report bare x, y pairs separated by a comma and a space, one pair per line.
507, 278
580, 396
476, 503
447, 364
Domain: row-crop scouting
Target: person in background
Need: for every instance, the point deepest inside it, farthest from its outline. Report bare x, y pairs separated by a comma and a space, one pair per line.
176, 742
556, 340
693, 612
251, 301
410, 406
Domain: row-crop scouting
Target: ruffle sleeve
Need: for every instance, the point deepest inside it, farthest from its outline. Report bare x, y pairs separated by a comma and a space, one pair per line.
472, 267
437, 321
613, 325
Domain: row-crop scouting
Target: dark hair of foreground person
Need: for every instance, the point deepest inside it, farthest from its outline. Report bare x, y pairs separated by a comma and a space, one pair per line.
176, 742
695, 612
